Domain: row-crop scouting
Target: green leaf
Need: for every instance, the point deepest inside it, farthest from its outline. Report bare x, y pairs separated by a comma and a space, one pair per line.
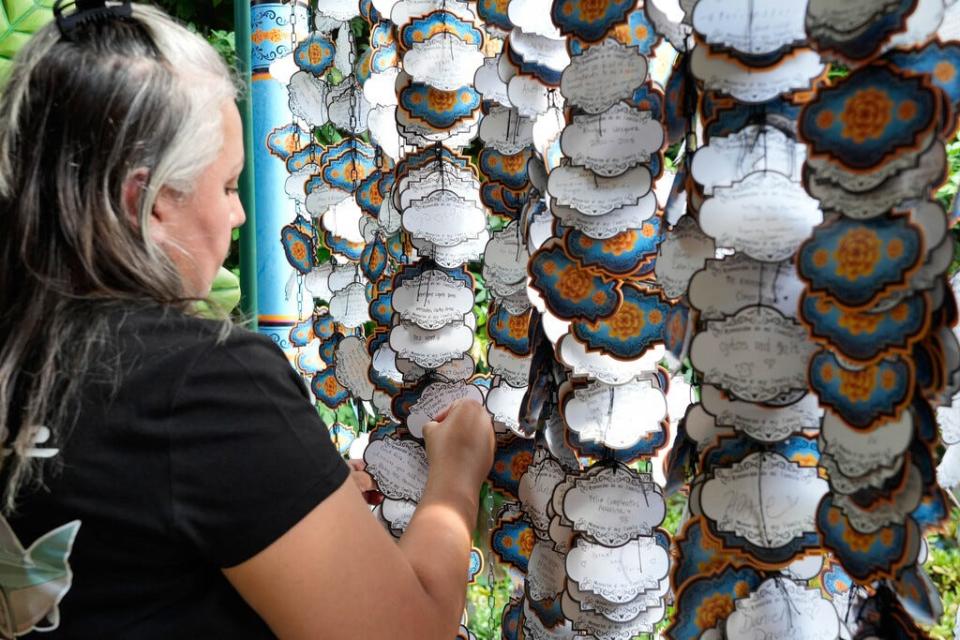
20, 19
328, 134
346, 416
224, 295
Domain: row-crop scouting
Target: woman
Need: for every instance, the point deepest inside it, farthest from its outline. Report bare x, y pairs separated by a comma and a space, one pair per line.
193, 493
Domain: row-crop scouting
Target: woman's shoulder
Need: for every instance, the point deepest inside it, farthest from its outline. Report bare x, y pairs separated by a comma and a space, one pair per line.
166, 351
162, 331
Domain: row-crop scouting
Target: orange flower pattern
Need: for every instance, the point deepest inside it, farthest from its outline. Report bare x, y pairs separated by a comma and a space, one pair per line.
714, 610
627, 322
620, 243
858, 323
676, 328
519, 326
944, 71
513, 165
593, 10
441, 100
273, 35
519, 464
299, 251
858, 253
857, 386
526, 542
858, 542
866, 115
315, 53
331, 387
291, 143
574, 283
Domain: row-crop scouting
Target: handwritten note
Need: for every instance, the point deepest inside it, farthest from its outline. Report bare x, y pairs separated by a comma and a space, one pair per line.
353, 366
782, 609
765, 498
399, 467
433, 300
602, 75
756, 355
611, 142
591, 194
614, 505
619, 574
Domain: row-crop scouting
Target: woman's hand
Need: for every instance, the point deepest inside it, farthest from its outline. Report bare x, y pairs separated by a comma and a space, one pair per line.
461, 439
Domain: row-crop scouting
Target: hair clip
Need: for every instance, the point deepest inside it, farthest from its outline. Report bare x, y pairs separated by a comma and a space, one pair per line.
87, 12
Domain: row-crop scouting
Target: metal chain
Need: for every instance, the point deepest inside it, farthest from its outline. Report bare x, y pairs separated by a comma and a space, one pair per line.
491, 560
293, 47
293, 26
354, 88
301, 279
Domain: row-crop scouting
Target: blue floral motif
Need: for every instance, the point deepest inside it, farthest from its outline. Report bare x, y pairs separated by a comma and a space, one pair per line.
286, 141
373, 259
571, 291
315, 54
510, 461
856, 261
336, 244
870, 117
324, 326
865, 556
697, 555
419, 30
494, 13
510, 331
327, 389
328, 349
298, 247
636, 325
621, 255
507, 541
439, 109
301, 334
381, 309
501, 200
589, 20
727, 587
862, 397
866, 336
510, 170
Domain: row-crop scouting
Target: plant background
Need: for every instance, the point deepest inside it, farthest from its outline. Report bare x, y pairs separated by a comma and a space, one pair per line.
214, 19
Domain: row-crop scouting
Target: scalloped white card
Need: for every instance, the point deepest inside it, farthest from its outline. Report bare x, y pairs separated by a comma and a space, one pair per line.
603, 75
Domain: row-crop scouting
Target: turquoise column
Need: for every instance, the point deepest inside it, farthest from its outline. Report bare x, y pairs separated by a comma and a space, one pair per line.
270, 41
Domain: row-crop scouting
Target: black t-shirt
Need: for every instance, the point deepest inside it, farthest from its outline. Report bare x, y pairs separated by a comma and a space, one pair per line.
208, 452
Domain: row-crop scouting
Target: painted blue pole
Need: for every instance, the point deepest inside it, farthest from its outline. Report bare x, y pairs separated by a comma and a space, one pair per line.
270, 40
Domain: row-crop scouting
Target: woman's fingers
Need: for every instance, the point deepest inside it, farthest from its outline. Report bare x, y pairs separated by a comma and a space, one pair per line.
365, 482
440, 417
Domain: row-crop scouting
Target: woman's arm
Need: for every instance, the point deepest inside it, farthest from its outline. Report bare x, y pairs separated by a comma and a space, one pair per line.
338, 574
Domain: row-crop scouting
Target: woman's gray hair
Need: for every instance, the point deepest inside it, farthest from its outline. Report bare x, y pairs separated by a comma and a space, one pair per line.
79, 119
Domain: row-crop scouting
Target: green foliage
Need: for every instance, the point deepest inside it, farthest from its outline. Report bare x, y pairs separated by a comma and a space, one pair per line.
483, 620
943, 567
20, 19
674, 518
225, 44
202, 16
